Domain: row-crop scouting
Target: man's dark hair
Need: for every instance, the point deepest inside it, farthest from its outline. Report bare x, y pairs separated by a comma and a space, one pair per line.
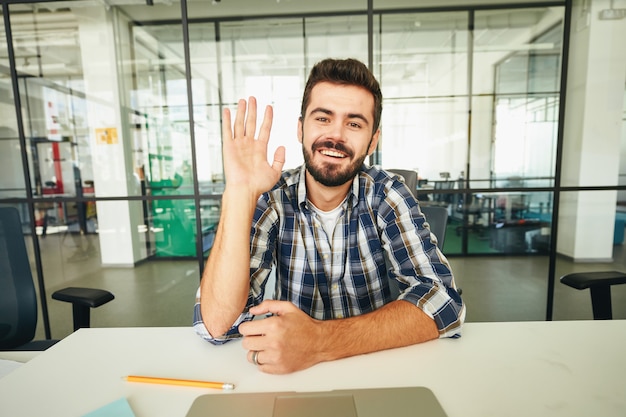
345, 72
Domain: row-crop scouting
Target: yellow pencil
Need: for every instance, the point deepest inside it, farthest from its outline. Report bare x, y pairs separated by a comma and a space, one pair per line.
181, 382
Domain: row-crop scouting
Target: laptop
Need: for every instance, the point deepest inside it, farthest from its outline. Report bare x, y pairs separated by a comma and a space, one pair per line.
373, 402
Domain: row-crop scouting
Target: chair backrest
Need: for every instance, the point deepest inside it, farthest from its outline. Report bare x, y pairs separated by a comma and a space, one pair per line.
443, 185
18, 300
437, 218
410, 178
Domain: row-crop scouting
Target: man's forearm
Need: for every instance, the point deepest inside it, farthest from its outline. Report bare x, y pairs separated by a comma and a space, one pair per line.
396, 324
226, 278
290, 340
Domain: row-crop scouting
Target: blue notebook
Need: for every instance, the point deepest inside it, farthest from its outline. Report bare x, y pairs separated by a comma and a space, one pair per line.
118, 408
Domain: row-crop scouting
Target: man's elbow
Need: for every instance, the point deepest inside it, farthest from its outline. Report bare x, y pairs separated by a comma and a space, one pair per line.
216, 330
451, 323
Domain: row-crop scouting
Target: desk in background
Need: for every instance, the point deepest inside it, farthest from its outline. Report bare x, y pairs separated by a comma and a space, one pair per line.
568, 368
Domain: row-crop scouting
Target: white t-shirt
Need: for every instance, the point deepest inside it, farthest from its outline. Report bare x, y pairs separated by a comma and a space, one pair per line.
328, 218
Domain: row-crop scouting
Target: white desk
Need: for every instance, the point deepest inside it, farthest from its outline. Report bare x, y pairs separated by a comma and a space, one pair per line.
496, 369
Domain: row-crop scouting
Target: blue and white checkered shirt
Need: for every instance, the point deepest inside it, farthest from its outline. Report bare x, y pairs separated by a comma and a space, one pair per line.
379, 236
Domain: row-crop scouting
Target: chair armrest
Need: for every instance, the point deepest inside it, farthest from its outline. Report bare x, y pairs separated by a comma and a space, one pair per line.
88, 297
82, 299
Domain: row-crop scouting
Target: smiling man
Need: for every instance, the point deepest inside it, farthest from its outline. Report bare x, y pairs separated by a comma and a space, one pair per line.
336, 232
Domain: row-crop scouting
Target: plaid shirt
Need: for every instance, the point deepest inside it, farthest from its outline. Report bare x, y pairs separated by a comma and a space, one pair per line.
379, 237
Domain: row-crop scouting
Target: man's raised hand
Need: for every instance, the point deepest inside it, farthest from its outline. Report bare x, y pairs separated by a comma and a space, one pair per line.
245, 157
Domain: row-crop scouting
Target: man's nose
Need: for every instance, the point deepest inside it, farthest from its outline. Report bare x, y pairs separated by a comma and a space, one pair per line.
336, 130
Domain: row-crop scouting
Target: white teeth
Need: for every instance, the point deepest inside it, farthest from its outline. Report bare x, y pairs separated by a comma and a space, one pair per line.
332, 153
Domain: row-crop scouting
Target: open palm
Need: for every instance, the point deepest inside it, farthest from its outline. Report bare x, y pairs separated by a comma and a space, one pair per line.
245, 157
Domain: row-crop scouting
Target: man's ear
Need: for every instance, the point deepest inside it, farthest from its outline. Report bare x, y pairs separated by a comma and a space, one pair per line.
373, 142
300, 129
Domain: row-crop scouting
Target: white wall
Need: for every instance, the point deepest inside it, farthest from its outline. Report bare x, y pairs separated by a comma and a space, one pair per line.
118, 221
592, 132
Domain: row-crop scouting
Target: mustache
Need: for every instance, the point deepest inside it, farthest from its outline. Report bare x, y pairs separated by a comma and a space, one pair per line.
327, 143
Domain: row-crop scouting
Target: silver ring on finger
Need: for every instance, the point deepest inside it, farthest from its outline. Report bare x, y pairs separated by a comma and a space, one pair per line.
255, 357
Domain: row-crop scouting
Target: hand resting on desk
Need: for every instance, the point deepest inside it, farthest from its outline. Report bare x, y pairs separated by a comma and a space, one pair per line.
290, 340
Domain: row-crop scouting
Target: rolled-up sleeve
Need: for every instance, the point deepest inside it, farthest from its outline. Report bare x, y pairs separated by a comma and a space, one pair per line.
441, 304
201, 330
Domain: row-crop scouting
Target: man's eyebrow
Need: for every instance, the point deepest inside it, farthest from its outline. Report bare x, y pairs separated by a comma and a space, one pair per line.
330, 112
321, 110
358, 116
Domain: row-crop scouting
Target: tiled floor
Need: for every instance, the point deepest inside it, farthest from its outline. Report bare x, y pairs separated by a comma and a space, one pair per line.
161, 293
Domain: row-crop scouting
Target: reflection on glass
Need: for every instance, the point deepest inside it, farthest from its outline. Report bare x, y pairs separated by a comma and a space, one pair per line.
526, 101
161, 133
422, 62
160, 114
49, 66
11, 178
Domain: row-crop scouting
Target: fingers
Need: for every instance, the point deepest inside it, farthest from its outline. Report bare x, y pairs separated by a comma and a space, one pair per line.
266, 126
239, 128
253, 357
253, 342
250, 118
279, 159
272, 307
263, 361
246, 119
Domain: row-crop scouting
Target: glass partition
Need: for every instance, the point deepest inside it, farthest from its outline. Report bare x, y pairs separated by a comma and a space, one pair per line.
12, 182
49, 67
505, 73
526, 109
266, 61
422, 61
472, 103
621, 194
160, 124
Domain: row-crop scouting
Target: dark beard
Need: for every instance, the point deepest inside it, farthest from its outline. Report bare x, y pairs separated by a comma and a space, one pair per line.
330, 175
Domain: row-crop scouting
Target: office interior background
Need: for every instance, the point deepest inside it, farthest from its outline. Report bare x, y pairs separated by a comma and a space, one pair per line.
511, 112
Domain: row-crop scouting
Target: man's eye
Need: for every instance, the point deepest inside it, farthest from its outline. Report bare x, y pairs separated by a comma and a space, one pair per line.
354, 125
322, 119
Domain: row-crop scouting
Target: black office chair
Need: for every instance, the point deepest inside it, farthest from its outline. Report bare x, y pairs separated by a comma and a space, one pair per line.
437, 218
409, 177
18, 300
443, 199
474, 208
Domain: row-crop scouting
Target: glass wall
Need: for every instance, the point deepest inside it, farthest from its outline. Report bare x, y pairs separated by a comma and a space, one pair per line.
505, 74
423, 64
116, 153
91, 125
160, 126
11, 169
